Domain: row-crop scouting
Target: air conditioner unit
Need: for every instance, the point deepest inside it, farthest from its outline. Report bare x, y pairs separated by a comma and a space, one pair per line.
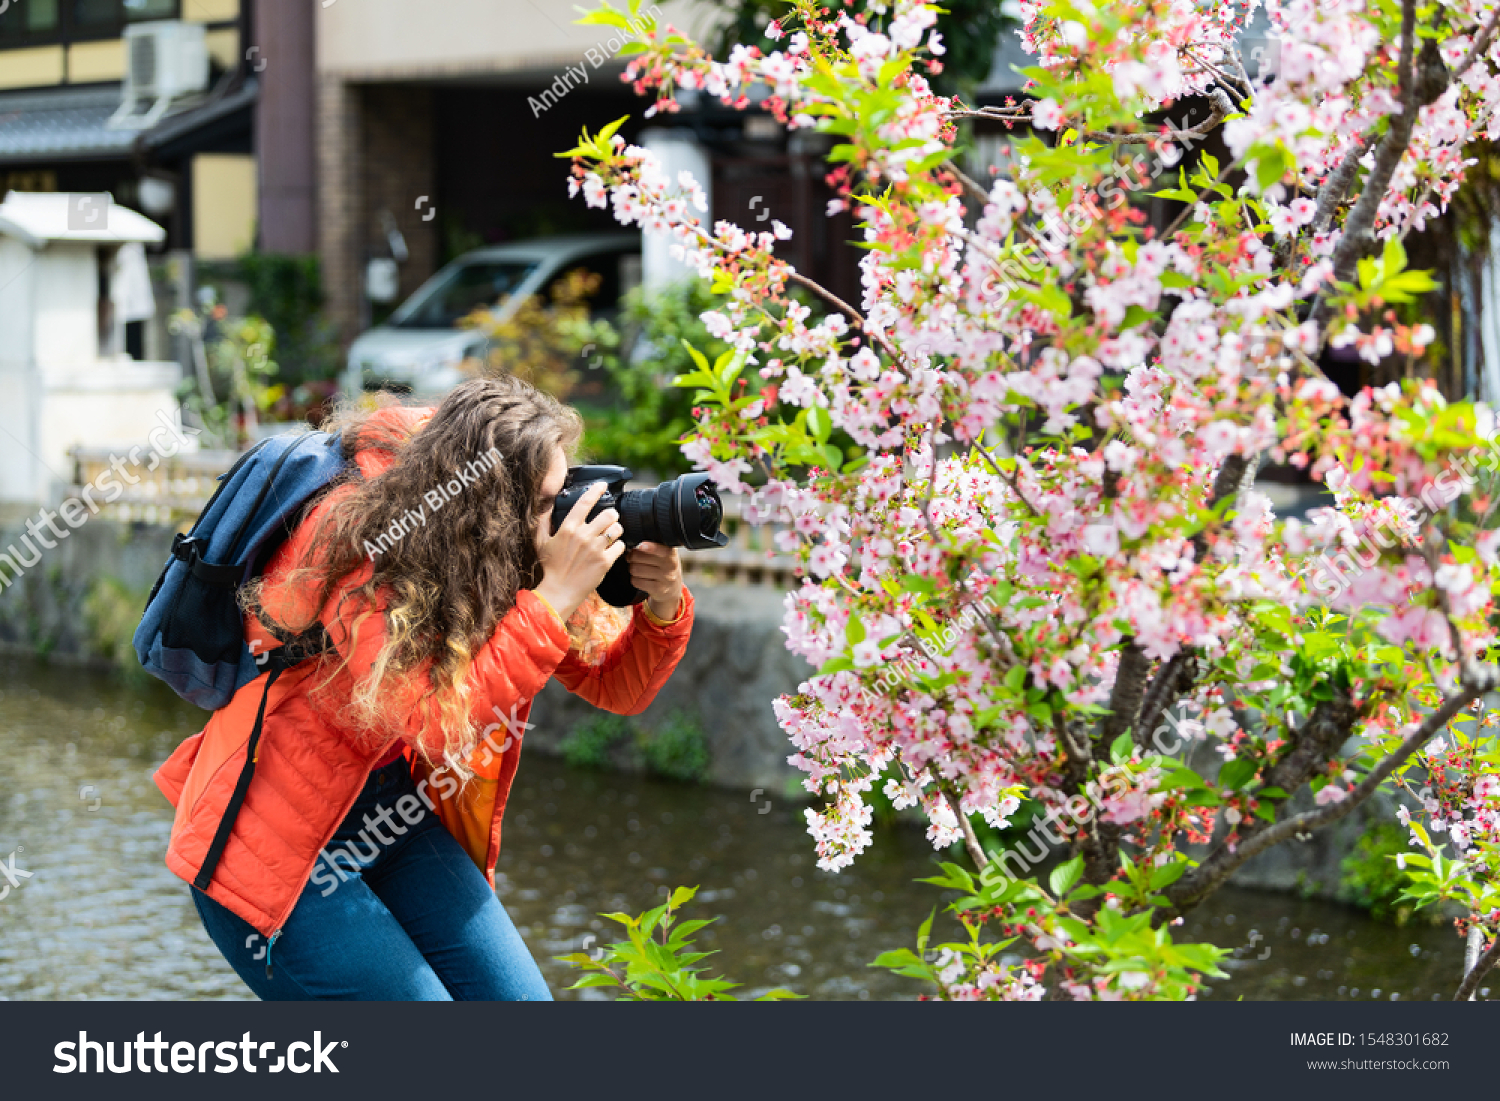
166, 62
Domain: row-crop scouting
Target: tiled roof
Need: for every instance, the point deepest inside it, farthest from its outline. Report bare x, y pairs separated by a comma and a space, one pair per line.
72, 123
61, 123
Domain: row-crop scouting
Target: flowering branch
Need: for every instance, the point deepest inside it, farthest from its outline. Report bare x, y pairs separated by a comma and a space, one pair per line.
1193, 888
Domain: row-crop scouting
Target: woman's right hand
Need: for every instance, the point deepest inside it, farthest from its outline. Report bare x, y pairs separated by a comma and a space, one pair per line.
575, 560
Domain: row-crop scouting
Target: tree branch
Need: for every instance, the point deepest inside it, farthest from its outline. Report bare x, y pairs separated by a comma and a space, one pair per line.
1486, 961
853, 314
1167, 687
1223, 107
1176, 676
1481, 44
971, 840
1359, 226
1337, 185
969, 184
1193, 888
1129, 688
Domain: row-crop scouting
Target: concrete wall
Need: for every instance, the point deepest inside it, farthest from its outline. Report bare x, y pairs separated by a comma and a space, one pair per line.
388, 40
735, 665
224, 204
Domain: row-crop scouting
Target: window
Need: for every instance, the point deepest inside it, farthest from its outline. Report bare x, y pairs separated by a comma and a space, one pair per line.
43, 22
27, 19
137, 11
96, 15
475, 285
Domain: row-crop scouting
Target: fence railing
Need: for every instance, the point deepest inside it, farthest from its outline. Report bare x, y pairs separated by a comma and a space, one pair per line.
175, 491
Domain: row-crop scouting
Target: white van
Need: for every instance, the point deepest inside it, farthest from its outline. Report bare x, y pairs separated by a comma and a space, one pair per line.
419, 348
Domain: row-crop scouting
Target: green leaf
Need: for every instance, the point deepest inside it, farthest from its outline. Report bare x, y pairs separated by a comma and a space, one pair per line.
605, 16
1237, 773
610, 128
897, 957
728, 367
1065, 875
1271, 166
1121, 749
595, 980
855, 631
698, 357
1182, 778
1167, 874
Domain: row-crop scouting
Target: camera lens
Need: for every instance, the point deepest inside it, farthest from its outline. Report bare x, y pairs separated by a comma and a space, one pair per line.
710, 511
685, 512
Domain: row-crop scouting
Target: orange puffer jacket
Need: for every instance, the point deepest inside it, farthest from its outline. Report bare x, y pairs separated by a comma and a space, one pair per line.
310, 770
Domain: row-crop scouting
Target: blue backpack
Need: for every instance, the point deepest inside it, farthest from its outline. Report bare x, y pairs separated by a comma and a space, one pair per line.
192, 635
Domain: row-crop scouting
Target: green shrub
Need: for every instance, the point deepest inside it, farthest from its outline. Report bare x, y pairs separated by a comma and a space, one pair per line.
589, 743
286, 297
678, 751
641, 427
657, 962
111, 613
1370, 877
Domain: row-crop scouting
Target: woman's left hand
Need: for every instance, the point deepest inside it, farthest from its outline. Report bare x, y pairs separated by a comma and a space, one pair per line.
657, 572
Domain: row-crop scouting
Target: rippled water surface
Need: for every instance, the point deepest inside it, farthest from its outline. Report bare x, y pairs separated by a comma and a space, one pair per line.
101, 917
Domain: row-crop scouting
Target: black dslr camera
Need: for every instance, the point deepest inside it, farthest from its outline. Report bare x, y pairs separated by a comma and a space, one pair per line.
685, 512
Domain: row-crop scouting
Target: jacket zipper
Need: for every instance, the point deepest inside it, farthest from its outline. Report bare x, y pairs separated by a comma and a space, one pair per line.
270, 944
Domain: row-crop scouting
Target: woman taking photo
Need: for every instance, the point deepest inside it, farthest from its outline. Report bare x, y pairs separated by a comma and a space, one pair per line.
361, 862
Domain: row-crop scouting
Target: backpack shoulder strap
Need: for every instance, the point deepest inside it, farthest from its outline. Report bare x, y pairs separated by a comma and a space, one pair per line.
299, 648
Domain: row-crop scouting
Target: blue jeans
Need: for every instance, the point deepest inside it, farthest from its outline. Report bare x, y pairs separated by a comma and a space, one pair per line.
395, 911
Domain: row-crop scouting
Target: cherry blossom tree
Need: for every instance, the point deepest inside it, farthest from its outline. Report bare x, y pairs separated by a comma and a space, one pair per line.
1019, 472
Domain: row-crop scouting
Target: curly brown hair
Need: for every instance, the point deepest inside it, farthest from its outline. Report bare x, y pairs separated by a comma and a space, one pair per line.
445, 584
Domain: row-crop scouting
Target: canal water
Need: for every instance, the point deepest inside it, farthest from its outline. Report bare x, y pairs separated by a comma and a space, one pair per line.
101, 917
